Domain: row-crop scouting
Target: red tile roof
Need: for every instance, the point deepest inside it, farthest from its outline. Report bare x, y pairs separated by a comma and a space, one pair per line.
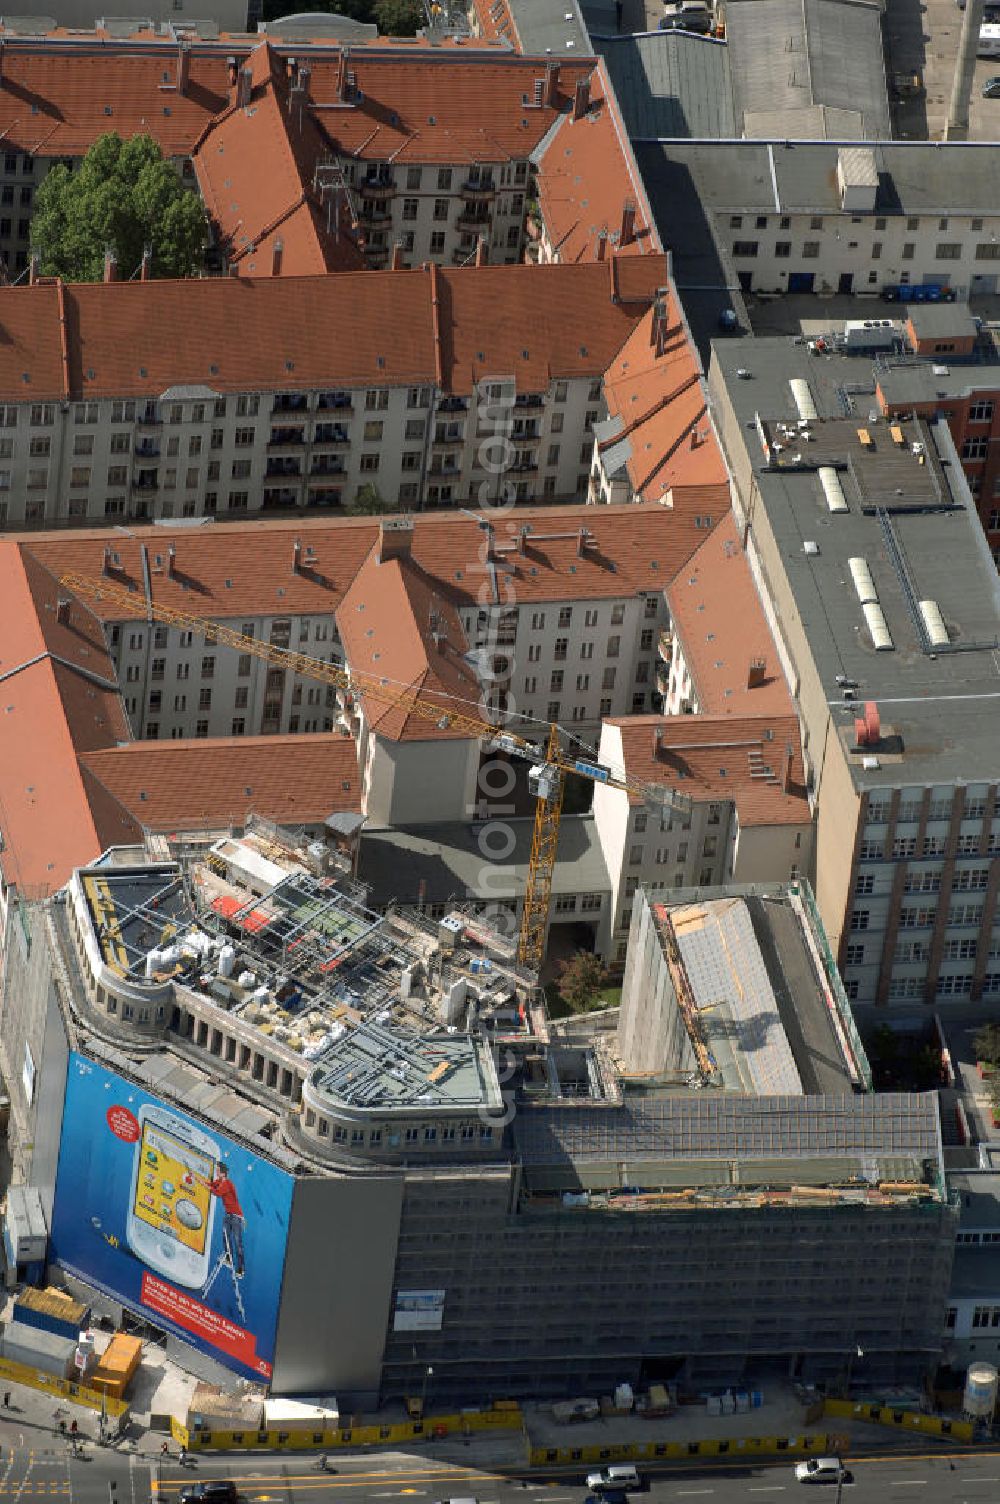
442, 107
56, 100
742, 758
274, 333
46, 818
395, 624
721, 626
255, 168
654, 388
585, 175
243, 570
207, 784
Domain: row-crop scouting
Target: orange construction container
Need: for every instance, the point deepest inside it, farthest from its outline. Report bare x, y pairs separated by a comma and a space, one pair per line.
117, 1366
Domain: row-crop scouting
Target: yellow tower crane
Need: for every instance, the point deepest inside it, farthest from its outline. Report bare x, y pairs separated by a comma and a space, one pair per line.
546, 776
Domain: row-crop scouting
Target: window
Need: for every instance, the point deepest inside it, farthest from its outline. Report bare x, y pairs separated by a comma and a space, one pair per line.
859, 919
949, 250
614, 646
876, 251
854, 955
810, 250
975, 449
440, 208
208, 667
816, 223
864, 883
782, 249
444, 180
373, 431
410, 208
904, 846
437, 242
908, 250
736, 221
745, 249
377, 399
369, 462
980, 412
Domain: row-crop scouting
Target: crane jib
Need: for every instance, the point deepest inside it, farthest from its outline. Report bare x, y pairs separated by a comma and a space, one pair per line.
592, 770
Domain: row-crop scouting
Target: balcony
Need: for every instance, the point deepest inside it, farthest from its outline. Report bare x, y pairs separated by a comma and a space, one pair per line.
287, 438
478, 193
335, 402
376, 190
332, 434
449, 472
665, 644
146, 481
290, 402
451, 439
524, 433
290, 467
453, 405
147, 450
524, 467
376, 254
374, 214
323, 468
149, 418
323, 496
463, 254
663, 682
528, 399
472, 221
280, 496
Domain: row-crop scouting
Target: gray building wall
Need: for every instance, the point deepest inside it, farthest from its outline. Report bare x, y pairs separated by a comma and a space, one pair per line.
652, 1038
336, 1295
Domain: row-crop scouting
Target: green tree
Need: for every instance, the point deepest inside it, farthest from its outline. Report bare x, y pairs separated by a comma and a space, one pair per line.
986, 1042
369, 502
580, 980
122, 197
398, 18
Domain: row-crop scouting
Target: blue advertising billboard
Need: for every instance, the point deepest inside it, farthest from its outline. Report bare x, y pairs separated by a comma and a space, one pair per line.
171, 1218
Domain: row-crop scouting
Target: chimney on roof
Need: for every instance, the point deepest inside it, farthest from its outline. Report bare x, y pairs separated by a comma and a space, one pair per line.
658, 329
146, 265
232, 69
657, 742
244, 88
582, 540
696, 439
551, 85
302, 83
482, 251
292, 69
395, 538
581, 98
110, 266
62, 610
786, 777
397, 256
601, 245
297, 556
277, 251
171, 561
34, 267
106, 561
756, 673
628, 224
869, 731
182, 68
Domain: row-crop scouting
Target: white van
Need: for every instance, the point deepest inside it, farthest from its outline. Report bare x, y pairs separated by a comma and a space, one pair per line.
820, 1470
619, 1475
989, 41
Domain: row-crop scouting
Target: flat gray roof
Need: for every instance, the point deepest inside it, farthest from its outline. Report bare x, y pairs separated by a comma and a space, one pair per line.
979, 1192
926, 381
790, 56
975, 1274
942, 320
440, 863
945, 708
786, 177
671, 83
378, 1067
713, 1125
542, 26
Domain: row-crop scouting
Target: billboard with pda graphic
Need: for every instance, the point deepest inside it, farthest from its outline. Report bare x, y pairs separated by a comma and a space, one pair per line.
170, 1218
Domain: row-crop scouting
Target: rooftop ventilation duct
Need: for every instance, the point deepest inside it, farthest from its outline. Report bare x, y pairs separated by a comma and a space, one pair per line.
803, 398
832, 489
937, 632
863, 582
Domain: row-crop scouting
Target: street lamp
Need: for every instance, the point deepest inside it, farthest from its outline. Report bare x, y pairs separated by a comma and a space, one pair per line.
428, 1375
859, 1352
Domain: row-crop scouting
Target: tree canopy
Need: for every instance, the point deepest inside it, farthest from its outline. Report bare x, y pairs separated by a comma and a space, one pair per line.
124, 196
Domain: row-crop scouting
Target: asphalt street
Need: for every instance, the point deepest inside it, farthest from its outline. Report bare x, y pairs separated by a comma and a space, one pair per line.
931, 1478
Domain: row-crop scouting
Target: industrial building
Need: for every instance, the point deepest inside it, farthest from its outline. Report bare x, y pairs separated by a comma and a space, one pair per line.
427, 1176
884, 604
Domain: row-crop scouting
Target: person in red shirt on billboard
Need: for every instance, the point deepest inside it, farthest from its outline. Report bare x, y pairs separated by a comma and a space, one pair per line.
232, 1216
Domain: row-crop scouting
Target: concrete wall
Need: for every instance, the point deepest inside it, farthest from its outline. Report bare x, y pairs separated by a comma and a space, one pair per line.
336, 1295
30, 1021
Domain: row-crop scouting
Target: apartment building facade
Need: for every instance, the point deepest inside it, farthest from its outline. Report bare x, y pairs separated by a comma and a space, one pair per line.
198, 431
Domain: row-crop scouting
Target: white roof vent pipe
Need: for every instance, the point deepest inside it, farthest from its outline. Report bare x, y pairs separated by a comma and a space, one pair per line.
832, 489
937, 632
803, 398
863, 582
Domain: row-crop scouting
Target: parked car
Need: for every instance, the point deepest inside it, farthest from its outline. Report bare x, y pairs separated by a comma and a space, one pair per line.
991, 88
688, 15
618, 1477
821, 1470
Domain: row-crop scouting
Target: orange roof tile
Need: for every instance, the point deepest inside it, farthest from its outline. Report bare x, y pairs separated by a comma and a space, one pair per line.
654, 390
244, 570
202, 785
720, 622
742, 758
395, 624
273, 333
585, 175
46, 819
442, 107
56, 101
255, 168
